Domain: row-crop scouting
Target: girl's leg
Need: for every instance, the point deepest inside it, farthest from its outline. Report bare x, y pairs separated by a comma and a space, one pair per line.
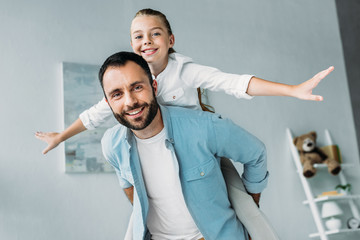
129, 231
246, 210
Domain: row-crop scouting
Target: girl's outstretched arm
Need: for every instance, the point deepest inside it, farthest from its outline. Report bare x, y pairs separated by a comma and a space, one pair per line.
53, 138
261, 87
89, 119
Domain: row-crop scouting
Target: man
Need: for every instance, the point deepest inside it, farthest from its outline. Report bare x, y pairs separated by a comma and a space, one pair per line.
172, 155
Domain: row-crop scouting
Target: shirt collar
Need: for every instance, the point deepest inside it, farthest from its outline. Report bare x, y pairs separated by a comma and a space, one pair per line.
167, 123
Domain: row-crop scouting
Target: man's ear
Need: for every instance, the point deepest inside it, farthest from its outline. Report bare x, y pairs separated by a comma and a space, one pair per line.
155, 87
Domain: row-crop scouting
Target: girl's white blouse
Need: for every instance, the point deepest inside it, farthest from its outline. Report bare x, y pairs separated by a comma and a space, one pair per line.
177, 86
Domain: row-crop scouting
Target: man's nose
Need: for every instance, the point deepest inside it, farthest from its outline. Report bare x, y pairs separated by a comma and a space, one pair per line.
130, 99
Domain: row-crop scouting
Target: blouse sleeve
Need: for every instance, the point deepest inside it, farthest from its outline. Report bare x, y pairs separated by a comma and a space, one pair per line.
96, 115
195, 75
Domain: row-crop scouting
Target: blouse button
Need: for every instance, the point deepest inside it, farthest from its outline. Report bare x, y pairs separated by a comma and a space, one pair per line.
202, 174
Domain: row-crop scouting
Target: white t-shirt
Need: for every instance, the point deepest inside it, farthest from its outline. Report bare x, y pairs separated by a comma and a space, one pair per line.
168, 216
177, 86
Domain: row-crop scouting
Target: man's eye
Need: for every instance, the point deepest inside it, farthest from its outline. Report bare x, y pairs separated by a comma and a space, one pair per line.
116, 95
137, 88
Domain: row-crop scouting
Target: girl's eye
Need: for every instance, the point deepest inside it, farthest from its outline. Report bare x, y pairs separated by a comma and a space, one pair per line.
138, 37
156, 34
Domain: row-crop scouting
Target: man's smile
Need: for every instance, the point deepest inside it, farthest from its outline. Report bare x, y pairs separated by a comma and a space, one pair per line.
135, 112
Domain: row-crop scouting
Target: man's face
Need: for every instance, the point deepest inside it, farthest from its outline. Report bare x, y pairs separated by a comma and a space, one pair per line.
130, 95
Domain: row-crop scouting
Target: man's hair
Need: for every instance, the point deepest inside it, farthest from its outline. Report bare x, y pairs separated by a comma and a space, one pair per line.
120, 59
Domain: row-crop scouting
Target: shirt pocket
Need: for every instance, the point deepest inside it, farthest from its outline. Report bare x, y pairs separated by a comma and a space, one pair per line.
170, 98
204, 181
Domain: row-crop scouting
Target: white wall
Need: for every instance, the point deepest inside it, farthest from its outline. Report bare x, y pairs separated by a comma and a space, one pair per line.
39, 201
280, 40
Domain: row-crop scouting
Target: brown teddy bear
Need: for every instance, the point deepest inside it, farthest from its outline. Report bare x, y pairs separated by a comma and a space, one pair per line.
310, 154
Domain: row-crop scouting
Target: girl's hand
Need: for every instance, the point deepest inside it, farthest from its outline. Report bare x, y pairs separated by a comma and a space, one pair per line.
51, 138
304, 90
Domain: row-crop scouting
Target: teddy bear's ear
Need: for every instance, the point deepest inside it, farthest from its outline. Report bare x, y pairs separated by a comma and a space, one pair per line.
313, 134
295, 140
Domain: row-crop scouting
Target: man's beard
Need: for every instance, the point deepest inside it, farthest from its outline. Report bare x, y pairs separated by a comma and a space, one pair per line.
143, 121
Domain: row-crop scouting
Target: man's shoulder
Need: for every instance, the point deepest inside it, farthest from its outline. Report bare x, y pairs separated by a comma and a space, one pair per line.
191, 114
114, 136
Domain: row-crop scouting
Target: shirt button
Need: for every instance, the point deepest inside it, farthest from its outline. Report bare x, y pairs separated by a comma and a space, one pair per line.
174, 97
202, 174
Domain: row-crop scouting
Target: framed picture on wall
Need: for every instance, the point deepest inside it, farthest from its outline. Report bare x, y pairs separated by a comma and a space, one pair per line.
81, 91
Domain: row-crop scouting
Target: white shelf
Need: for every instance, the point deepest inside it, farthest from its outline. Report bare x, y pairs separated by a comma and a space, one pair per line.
343, 165
313, 235
324, 166
336, 197
311, 200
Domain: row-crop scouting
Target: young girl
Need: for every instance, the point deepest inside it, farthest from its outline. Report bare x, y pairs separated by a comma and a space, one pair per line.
178, 78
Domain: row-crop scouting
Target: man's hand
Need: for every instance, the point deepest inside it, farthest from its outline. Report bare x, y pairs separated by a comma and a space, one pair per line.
256, 197
130, 193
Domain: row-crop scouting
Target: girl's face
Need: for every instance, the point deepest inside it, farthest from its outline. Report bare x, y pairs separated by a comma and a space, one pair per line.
150, 39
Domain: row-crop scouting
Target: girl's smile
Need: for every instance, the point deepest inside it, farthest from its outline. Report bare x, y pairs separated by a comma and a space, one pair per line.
149, 51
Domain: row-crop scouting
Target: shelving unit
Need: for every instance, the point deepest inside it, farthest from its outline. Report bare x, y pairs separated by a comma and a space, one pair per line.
313, 201
327, 198
314, 235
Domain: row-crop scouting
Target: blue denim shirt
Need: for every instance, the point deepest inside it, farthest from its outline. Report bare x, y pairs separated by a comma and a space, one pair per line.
198, 140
